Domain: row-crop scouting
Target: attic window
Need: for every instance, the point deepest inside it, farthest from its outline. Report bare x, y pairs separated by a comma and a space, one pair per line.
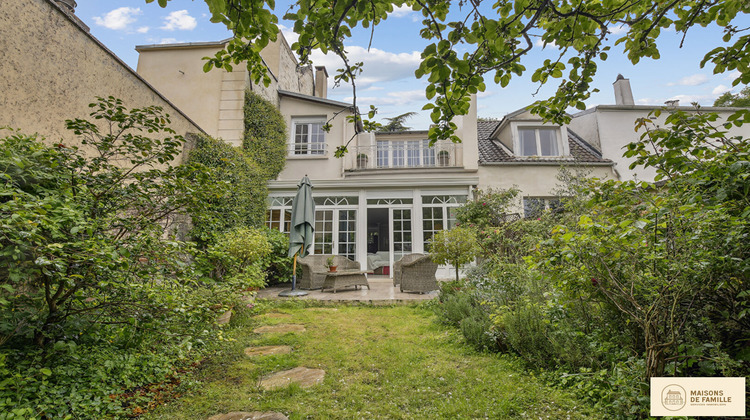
538, 141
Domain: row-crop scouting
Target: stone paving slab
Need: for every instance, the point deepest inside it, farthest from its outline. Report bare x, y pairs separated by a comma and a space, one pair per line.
225, 318
251, 415
381, 291
302, 376
267, 350
279, 328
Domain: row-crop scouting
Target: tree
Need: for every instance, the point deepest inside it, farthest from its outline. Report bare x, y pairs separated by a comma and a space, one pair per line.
78, 225
457, 247
741, 99
475, 42
397, 123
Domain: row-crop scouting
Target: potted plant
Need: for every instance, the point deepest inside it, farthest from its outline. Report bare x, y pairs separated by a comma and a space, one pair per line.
362, 161
330, 264
443, 158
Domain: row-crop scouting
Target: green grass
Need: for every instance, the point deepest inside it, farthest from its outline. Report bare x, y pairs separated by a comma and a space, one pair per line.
380, 363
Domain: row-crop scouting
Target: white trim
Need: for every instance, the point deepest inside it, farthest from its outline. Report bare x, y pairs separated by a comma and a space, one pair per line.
561, 132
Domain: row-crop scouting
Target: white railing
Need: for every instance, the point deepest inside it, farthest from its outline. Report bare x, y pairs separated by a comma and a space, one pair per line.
406, 154
307, 149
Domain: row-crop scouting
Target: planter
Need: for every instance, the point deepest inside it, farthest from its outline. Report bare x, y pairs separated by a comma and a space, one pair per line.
332, 268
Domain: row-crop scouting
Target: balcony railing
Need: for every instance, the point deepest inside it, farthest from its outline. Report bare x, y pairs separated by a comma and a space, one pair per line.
406, 154
307, 149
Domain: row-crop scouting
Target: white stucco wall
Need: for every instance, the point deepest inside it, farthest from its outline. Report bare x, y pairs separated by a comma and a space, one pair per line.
533, 180
316, 167
616, 125
51, 69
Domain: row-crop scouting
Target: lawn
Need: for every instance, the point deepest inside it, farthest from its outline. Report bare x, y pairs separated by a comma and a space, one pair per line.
393, 362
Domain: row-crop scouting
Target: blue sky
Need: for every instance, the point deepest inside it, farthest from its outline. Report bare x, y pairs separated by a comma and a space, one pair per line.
388, 80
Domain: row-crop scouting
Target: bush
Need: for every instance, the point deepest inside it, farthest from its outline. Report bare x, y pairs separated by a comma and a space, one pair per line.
456, 246
488, 208
239, 257
233, 195
279, 264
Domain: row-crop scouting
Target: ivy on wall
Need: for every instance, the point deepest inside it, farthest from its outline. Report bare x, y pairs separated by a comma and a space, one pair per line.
239, 187
265, 135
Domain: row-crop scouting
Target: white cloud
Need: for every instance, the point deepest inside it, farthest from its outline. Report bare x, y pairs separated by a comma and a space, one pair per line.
718, 90
393, 99
692, 80
290, 36
733, 75
142, 29
617, 30
401, 11
168, 41
379, 66
179, 19
540, 43
119, 18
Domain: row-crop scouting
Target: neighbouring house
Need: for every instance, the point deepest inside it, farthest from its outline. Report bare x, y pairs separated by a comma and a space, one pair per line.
609, 128
52, 68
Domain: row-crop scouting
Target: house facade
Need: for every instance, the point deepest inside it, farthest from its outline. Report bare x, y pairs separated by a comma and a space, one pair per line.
393, 191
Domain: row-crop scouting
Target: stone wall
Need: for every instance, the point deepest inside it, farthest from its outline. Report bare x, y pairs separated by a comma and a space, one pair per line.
51, 69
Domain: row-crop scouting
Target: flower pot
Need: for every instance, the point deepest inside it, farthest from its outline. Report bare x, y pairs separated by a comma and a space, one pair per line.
332, 268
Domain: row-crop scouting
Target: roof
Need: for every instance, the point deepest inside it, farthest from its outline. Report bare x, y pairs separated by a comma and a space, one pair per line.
221, 44
492, 152
314, 99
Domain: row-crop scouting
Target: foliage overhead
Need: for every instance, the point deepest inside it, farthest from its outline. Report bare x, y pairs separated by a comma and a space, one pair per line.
265, 135
729, 99
473, 43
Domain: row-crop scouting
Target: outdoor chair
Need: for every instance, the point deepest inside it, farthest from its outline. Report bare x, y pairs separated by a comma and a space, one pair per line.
415, 273
314, 269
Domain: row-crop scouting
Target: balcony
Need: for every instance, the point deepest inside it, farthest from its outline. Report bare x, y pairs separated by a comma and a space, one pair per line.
405, 154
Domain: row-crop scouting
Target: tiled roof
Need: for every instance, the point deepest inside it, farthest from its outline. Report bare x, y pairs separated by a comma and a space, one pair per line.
490, 151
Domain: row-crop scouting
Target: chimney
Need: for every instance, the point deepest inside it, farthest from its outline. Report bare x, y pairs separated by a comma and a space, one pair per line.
67, 5
321, 82
623, 93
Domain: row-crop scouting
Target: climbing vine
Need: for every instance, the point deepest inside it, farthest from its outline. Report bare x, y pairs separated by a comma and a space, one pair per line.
265, 135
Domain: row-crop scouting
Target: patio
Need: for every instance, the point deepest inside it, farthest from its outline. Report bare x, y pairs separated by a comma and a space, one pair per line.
381, 292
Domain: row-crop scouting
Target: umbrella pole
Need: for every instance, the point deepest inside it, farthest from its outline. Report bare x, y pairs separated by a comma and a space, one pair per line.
293, 293
294, 271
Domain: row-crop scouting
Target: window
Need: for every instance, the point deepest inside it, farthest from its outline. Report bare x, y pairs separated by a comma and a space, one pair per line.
308, 137
439, 213
405, 154
534, 206
538, 141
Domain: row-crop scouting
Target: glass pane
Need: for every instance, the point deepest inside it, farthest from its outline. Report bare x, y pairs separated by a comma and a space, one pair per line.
412, 148
398, 153
527, 141
533, 207
548, 142
428, 154
382, 154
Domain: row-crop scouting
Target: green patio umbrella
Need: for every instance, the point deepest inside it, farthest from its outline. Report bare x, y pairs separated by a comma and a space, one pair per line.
302, 229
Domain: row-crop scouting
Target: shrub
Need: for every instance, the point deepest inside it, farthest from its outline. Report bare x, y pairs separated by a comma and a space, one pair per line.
278, 264
488, 208
265, 141
238, 256
234, 195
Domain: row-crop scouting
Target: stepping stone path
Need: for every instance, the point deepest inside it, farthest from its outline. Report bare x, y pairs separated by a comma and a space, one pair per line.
277, 315
267, 350
253, 415
279, 328
302, 376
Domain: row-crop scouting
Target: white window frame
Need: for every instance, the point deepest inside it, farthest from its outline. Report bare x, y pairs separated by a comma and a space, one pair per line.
560, 134
405, 153
308, 151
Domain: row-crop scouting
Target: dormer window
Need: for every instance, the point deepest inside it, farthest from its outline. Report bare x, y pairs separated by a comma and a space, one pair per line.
538, 141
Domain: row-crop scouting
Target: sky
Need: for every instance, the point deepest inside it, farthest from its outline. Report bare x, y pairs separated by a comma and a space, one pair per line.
388, 80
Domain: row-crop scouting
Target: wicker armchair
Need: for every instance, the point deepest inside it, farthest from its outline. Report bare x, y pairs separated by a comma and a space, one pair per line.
415, 273
314, 269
